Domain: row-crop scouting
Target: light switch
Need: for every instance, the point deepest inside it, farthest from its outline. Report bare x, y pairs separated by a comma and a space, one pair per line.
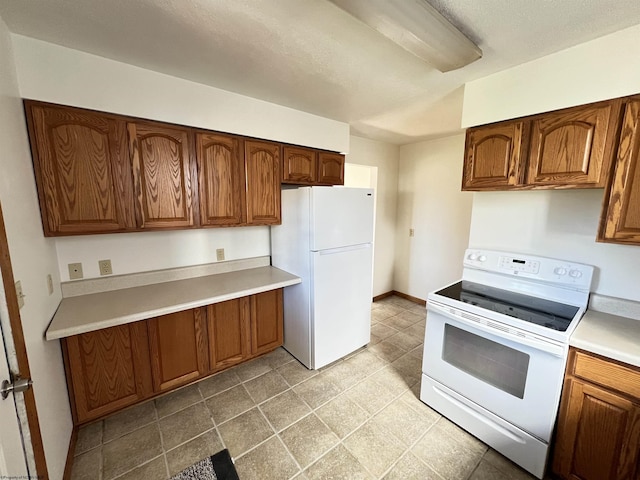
220, 254
19, 294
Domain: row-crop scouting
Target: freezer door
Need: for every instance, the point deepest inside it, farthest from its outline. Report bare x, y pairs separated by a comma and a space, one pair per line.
341, 304
340, 217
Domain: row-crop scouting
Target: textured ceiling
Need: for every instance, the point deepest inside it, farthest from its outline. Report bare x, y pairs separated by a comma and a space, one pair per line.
312, 56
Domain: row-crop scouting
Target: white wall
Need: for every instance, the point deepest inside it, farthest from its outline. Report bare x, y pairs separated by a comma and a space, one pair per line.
604, 68
32, 258
384, 156
430, 202
144, 251
62, 75
559, 224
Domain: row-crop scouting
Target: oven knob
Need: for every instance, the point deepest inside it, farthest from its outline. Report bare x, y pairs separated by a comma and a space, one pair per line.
560, 271
472, 256
482, 258
575, 273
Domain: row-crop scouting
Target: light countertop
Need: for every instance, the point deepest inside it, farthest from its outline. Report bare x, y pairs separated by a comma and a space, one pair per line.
609, 335
90, 312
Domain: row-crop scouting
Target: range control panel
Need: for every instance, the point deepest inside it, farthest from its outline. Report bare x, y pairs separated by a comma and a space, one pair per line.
550, 270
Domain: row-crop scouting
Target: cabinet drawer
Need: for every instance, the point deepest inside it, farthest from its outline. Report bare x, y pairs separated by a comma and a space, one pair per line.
616, 376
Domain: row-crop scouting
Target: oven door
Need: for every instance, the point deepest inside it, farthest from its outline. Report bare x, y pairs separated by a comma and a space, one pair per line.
517, 379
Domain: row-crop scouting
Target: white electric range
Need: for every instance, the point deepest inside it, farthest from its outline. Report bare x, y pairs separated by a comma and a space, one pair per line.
496, 346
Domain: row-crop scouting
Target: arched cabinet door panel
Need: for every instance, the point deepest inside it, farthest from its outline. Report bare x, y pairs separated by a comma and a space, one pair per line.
620, 221
493, 156
164, 175
262, 167
330, 168
299, 165
222, 179
82, 170
574, 146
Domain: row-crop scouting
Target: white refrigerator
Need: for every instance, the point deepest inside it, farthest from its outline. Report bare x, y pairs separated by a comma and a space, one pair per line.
326, 238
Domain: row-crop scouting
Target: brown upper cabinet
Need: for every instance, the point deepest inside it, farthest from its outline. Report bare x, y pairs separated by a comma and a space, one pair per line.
570, 148
330, 168
573, 147
222, 179
304, 166
262, 169
494, 155
99, 173
82, 170
620, 221
164, 175
300, 166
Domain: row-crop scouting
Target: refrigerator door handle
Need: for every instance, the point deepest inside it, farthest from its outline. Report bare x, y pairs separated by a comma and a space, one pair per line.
333, 251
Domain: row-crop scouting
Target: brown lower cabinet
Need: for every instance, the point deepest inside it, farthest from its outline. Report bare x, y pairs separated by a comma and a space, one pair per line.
116, 367
598, 434
178, 348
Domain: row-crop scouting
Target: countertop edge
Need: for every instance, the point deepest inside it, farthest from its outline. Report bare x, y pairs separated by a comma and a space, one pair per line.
59, 333
611, 336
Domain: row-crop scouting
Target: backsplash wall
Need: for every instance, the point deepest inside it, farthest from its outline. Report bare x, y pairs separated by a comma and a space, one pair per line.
145, 251
558, 224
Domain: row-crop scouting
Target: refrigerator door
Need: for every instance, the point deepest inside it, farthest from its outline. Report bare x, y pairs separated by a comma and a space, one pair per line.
341, 306
341, 217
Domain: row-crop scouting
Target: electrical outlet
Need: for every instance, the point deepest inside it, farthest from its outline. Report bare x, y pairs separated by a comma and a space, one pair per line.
19, 294
50, 284
411, 232
220, 254
75, 271
105, 267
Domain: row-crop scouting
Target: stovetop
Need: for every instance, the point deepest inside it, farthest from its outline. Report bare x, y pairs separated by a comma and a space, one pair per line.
538, 311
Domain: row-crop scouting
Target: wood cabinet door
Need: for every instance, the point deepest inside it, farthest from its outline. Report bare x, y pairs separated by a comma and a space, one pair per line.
620, 220
262, 167
82, 170
598, 435
330, 168
164, 175
178, 347
107, 370
221, 176
575, 146
266, 321
494, 155
299, 165
228, 332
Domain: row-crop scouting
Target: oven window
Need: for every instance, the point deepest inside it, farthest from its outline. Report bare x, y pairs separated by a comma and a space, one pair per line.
493, 363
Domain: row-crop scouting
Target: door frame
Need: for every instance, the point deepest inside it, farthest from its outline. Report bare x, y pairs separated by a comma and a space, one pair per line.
15, 332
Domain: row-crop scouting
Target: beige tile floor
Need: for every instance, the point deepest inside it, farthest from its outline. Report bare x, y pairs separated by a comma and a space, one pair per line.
359, 418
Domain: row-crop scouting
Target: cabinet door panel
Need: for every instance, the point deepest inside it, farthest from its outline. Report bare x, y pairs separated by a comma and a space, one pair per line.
597, 434
493, 155
330, 168
620, 220
228, 327
82, 171
266, 321
178, 348
162, 173
262, 166
221, 175
573, 147
300, 166
109, 369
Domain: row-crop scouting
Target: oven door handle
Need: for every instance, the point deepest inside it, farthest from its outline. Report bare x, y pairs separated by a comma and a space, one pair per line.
475, 321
